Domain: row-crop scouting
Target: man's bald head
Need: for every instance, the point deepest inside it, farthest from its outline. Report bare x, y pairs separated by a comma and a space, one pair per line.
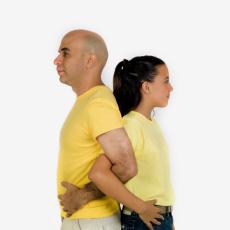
91, 42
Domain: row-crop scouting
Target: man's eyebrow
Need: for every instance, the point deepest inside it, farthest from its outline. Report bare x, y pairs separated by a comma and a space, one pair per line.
63, 49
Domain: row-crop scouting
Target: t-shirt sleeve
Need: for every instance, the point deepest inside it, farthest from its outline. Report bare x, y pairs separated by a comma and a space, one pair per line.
103, 116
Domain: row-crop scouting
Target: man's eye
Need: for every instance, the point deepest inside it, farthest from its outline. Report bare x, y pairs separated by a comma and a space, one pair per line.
64, 54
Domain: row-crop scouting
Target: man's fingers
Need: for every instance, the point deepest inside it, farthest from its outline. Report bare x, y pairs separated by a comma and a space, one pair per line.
69, 211
69, 214
65, 210
68, 185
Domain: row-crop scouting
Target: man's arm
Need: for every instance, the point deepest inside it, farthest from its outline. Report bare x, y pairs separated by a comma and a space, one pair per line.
119, 151
74, 198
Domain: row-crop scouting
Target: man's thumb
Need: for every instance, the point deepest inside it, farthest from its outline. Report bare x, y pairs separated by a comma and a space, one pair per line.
68, 185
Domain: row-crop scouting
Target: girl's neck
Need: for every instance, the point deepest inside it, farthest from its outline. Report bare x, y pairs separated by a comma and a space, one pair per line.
144, 110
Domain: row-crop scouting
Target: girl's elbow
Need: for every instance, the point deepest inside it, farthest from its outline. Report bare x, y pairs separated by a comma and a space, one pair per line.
94, 176
91, 175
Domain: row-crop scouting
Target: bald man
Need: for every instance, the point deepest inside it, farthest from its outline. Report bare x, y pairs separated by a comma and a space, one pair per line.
93, 127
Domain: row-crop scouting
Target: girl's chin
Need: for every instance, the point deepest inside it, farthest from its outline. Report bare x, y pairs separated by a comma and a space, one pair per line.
162, 105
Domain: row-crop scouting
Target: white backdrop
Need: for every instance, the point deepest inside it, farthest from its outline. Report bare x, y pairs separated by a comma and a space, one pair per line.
191, 36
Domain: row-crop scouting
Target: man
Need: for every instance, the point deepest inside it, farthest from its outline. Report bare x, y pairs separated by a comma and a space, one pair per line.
93, 127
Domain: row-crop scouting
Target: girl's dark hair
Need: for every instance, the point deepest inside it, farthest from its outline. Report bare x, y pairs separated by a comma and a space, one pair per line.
128, 78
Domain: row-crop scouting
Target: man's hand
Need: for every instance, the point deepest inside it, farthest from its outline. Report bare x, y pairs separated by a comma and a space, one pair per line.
74, 198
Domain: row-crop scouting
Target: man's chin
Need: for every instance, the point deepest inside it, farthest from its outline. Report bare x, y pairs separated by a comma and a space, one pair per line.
63, 80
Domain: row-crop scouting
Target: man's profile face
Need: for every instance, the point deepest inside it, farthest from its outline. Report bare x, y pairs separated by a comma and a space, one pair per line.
70, 60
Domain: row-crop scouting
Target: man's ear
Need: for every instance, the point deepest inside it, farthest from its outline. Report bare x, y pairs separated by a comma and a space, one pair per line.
145, 87
90, 61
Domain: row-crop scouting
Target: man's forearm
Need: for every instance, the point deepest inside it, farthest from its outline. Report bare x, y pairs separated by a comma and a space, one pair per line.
75, 198
121, 173
92, 192
118, 150
123, 170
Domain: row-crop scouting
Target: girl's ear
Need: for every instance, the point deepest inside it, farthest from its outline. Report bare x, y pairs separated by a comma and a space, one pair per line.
145, 87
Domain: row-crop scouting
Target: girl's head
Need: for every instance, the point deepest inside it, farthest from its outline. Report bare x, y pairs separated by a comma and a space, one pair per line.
142, 79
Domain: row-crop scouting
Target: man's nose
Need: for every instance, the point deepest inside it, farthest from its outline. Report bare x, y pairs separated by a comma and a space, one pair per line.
57, 60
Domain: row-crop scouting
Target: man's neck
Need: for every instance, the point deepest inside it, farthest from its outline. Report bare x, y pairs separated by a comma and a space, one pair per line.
84, 88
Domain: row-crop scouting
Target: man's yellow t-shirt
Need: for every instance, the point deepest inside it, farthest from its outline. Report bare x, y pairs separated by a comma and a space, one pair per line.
95, 112
153, 178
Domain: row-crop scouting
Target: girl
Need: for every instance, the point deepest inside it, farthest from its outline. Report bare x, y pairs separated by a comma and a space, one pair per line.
140, 85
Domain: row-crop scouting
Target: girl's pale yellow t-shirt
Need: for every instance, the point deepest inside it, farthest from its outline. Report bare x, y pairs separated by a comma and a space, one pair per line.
153, 178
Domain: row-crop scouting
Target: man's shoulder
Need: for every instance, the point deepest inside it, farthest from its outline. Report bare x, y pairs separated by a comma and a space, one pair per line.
103, 94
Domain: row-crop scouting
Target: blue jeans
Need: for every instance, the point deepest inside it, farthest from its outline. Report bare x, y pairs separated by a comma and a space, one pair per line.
133, 222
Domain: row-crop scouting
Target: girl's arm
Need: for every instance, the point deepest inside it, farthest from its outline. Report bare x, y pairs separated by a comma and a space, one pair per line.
109, 184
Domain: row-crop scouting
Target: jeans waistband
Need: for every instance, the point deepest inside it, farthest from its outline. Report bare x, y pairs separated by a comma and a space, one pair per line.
163, 209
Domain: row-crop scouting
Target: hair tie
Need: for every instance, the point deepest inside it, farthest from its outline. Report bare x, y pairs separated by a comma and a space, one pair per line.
125, 63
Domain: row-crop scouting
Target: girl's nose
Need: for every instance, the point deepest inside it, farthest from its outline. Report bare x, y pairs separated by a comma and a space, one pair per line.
171, 88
